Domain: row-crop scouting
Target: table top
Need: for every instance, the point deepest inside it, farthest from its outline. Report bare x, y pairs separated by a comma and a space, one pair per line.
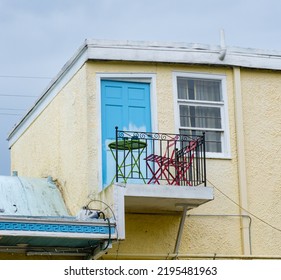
127, 144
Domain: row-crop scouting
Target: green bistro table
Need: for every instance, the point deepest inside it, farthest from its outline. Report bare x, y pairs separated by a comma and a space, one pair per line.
128, 145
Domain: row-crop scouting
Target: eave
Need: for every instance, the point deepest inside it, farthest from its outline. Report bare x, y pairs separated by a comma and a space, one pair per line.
183, 53
35, 220
139, 51
56, 235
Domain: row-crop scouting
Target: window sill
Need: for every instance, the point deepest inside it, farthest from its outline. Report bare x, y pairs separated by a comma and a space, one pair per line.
218, 156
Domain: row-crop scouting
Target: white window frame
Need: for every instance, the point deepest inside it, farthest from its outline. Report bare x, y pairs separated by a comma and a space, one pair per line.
223, 105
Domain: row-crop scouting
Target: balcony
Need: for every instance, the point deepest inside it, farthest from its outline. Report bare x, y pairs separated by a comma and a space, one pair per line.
159, 172
159, 158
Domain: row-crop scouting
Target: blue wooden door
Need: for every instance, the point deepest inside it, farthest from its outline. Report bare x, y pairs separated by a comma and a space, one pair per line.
126, 105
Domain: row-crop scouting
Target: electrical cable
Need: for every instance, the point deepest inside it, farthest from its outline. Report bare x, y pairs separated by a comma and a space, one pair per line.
106, 219
10, 114
11, 109
237, 204
18, 95
96, 200
24, 77
109, 235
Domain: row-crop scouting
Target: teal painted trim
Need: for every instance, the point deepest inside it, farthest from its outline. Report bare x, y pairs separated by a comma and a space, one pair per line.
40, 227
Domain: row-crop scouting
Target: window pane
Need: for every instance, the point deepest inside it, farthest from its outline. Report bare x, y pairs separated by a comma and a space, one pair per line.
197, 89
207, 90
213, 139
200, 116
182, 88
213, 142
185, 116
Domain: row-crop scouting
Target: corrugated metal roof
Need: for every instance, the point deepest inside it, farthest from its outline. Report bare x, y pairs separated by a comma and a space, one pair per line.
34, 220
22, 196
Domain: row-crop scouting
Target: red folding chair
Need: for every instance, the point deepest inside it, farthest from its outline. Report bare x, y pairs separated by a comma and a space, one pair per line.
183, 163
160, 165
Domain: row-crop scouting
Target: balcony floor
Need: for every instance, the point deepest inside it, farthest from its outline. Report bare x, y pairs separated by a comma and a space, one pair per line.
163, 198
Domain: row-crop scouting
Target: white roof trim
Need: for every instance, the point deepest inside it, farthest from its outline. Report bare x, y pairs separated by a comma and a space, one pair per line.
183, 53
147, 52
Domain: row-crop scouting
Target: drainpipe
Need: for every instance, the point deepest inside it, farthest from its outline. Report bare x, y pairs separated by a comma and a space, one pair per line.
185, 215
241, 162
180, 231
229, 216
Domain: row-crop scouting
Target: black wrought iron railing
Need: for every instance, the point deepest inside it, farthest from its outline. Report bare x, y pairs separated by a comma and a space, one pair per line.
159, 158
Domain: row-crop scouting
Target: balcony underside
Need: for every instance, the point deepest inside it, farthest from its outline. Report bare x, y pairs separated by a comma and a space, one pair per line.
162, 199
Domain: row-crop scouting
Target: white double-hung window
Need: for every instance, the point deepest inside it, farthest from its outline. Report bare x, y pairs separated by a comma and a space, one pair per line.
201, 107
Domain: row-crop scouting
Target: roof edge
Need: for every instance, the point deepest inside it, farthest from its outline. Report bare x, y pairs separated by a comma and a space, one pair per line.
183, 53
145, 51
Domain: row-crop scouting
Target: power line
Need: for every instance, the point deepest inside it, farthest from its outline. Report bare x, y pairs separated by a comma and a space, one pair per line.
250, 213
10, 114
18, 95
12, 109
24, 77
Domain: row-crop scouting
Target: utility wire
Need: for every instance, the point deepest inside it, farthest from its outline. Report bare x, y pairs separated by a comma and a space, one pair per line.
10, 114
11, 109
237, 204
24, 77
17, 95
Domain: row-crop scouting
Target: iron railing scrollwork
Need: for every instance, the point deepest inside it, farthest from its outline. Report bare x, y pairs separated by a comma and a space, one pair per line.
159, 158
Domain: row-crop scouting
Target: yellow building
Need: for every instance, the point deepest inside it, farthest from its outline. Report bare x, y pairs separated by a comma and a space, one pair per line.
173, 191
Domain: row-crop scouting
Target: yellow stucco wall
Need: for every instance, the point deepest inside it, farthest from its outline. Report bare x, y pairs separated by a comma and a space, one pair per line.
64, 142
262, 126
56, 143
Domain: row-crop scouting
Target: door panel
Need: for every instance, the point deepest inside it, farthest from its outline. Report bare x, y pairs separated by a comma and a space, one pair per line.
126, 105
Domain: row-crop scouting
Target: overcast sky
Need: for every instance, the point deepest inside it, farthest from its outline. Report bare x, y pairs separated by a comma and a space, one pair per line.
39, 36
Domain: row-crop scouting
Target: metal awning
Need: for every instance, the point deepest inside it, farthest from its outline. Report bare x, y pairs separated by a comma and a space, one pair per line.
55, 235
34, 220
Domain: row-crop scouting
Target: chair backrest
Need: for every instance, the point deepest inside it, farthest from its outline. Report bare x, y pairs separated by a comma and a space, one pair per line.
190, 148
171, 147
184, 163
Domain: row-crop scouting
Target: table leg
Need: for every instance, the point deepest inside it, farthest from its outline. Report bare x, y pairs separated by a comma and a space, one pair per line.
135, 163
